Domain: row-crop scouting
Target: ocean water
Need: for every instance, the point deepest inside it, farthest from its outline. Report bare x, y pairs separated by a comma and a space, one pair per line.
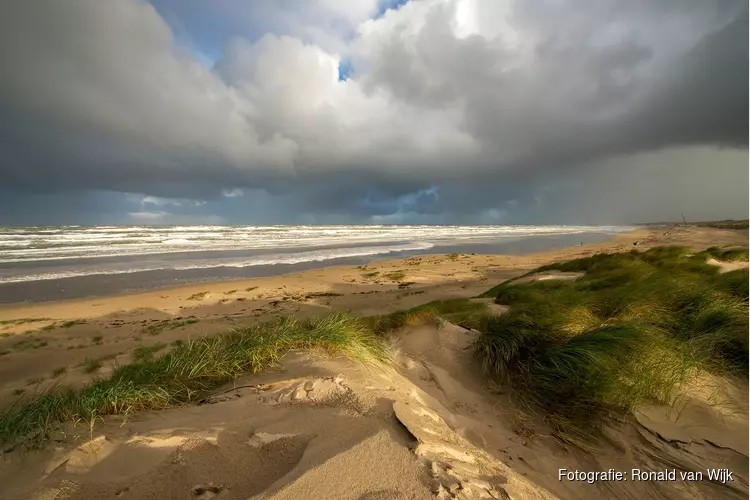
77, 261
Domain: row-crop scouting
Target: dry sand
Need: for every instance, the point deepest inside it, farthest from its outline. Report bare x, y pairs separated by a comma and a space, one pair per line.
326, 428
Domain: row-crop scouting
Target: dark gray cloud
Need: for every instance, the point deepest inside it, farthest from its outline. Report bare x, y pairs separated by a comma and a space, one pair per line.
458, 110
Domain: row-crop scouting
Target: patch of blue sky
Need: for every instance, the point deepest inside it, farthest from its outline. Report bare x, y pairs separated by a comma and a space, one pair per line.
385, 5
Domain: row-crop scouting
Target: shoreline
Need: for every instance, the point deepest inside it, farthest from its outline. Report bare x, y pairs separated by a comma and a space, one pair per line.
120, 283
329, 275
117, 282
426, 276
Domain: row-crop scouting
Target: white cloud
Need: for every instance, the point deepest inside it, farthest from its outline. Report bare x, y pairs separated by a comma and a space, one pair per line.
177, 202
148, 216
161, 217
232, 193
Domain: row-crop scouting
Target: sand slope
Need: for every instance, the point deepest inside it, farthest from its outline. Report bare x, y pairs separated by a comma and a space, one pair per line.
339, 431
327, 428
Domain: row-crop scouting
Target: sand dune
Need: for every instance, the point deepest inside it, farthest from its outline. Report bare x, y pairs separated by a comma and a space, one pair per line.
317, 428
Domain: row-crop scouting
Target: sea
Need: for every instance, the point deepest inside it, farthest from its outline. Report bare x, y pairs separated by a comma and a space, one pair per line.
52, 263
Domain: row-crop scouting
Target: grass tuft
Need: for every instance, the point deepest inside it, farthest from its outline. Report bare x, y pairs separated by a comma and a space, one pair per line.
92, 365
22, 321
167, 324
146, 352
461, 311
30, 343
189, 372
71, 323
395, 275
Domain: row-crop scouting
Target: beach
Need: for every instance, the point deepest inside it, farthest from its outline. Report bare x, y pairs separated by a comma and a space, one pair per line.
46, 264
75, 340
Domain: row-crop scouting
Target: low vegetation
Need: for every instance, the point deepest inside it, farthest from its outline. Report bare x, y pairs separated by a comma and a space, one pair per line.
22, 321
394, 275
189, 372
634, 327
725, 224
459, 311
169, 324
198, 296
316, 295
30, 343
146, 352
94, 364
726, 254
71, 323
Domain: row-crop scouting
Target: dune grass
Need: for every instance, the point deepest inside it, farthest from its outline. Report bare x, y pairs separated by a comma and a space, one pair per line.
22, 321
724, 224
396, 275
188, 373
462, 311
72, 322
30, 343
169, 324
146, 352
198, 296
634, 328
725, 254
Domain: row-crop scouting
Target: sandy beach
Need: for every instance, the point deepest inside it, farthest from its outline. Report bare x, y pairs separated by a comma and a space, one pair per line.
426, 427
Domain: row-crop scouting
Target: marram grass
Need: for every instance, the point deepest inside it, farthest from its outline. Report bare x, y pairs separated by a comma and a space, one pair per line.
462, 311
189, 372
634, 328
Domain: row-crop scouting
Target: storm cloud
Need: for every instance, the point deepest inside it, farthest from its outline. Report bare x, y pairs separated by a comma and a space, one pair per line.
452, 111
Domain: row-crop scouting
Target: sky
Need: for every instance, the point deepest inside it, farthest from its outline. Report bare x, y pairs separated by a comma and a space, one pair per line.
373, 111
